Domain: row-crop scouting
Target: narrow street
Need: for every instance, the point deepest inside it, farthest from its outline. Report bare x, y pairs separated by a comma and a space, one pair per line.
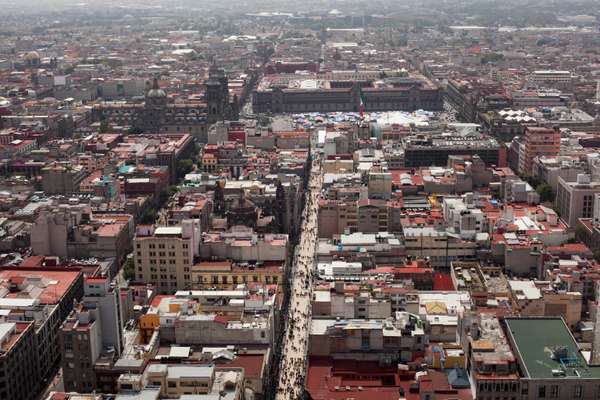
297, 325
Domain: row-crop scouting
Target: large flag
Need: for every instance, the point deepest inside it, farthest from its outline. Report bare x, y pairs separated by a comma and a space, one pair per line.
362, 105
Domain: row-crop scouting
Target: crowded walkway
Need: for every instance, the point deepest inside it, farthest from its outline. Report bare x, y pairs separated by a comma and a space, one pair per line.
297, 325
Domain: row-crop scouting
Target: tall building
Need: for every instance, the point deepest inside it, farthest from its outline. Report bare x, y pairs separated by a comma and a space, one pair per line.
62, 178
33, 303
576, 199
99, 294
94, 328
73, 231
551, 78
164, 255
81, 345
538, 142
19, 371
422, 150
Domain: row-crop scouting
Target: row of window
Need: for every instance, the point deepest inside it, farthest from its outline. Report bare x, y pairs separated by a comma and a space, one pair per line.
161, 246
225, 279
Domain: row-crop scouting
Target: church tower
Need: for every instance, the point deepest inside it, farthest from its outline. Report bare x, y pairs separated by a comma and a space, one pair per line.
155, 106
217, 94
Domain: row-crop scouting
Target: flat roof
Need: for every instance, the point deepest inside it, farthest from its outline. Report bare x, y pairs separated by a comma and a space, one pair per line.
535, 339
145, 394
167, 230
189, 371
7, 302
57, 282
6, 329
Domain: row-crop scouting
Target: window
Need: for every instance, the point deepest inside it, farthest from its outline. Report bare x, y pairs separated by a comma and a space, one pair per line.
578, 392
553, 391
542, 392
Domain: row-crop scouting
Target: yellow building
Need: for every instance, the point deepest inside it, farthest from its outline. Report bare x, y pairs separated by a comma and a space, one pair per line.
151, 320
209, 162
447, 355
164, 255
226, 275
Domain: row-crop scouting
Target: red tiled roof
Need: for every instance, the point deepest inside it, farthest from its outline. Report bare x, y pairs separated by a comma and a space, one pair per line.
61, 281
442, 281
381, 383
252, 364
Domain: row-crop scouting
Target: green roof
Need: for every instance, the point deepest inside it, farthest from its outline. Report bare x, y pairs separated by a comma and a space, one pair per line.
536, 339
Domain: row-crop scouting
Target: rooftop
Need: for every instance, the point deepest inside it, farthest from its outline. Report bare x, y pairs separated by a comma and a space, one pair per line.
545, 346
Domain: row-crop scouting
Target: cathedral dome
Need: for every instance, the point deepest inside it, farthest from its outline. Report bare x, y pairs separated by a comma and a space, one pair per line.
32, 56
156, 92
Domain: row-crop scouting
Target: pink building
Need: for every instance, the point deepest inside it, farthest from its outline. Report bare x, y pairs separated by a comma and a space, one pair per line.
538, 142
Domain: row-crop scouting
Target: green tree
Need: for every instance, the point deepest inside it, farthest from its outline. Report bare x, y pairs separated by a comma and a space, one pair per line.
546, 193
148, 216
184, 167
491, 58
134, 130
104, 126
129, 270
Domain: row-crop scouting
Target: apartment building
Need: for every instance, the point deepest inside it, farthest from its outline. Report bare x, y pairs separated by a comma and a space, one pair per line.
244, 245
227, 274
19, 373
81, 345
575, 200
74, 231
62, 178
164, 255
41, 298
538, 142
491, 363
212, 317
552, 78
440, 247
398, 338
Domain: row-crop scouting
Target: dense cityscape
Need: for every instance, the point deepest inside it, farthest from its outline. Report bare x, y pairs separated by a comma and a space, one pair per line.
325, 200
